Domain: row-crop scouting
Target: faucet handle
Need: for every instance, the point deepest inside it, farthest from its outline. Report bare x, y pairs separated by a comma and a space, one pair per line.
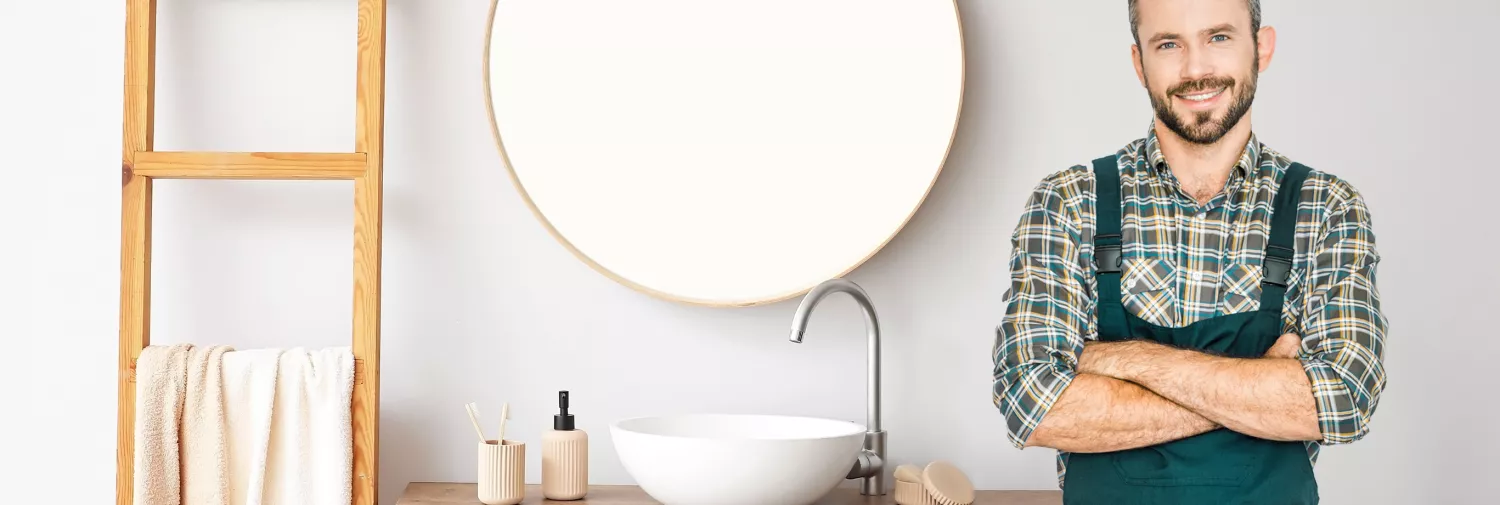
869, 464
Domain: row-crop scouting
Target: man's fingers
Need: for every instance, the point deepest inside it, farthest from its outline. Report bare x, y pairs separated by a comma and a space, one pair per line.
1286, 346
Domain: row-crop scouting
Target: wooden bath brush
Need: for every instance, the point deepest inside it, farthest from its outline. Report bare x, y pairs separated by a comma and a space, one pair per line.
946, 484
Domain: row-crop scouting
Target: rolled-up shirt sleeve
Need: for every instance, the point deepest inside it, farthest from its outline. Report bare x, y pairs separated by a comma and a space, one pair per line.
1046, 311
1344, 329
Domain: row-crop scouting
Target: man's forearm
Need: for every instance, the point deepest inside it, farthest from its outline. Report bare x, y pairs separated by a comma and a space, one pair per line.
1101, 414
1268, 398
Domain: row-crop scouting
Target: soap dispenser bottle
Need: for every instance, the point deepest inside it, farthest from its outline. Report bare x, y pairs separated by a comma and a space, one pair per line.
565, 456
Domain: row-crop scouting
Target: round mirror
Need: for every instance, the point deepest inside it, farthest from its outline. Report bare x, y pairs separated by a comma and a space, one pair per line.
724, 152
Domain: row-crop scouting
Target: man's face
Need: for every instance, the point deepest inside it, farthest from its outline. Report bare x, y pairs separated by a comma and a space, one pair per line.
1199, 63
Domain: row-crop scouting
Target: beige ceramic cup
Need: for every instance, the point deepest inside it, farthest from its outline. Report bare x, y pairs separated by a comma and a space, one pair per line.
502, 472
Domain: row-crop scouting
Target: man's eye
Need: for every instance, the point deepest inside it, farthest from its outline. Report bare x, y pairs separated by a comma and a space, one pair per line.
1167, 45
1220, 38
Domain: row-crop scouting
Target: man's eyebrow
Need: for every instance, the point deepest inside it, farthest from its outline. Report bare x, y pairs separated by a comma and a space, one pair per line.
1160, 36
1163, 36
1223, 28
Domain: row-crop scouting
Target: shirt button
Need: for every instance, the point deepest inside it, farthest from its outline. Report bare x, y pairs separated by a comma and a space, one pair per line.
1197, 276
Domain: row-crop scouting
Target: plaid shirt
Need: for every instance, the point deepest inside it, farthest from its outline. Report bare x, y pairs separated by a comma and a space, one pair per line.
1184, 262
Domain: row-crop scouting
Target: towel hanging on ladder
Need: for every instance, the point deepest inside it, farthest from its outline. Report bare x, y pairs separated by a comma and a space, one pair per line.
161, 383
290, 434
217, 426
205, 452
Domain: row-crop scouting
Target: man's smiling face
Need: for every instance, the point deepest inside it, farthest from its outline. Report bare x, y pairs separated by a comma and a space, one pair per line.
1199, 62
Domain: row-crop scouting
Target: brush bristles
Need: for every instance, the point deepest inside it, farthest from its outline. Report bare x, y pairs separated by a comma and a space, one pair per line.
474, 418
935, 499
504, 415
909, 473
939, 500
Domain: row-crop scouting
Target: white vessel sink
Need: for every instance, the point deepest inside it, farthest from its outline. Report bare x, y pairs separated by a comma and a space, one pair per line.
730, 459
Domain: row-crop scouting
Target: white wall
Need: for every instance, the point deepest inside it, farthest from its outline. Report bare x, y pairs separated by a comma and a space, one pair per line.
482, 305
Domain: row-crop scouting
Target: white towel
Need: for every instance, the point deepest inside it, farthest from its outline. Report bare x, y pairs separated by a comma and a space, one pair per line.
160, 384
249, 393
290, 432
205, 457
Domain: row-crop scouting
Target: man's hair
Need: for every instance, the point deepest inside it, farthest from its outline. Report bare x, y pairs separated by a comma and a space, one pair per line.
1135, 21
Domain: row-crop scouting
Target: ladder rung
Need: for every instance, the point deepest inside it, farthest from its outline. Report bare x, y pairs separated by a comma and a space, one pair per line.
248, 165
359, 370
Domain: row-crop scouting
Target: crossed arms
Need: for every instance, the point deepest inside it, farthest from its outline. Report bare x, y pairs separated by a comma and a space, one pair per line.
1138, 393
1059, 388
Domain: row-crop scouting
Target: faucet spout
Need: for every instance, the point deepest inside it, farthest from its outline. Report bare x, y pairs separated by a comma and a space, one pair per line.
870, 466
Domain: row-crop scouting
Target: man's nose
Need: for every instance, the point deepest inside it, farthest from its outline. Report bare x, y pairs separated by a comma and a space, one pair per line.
1197, 65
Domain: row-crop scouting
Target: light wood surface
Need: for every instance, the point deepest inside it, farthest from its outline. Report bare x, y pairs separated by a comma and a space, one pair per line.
369, 139
135, 230
253, 166
140, 163
460, 493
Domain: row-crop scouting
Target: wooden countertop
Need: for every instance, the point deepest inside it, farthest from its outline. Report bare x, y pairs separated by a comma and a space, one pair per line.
458, 493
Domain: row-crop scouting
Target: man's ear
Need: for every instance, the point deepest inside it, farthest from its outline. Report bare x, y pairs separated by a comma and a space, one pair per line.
1265, 47
1135, 59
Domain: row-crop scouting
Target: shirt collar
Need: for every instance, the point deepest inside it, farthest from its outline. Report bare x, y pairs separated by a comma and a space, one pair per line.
1249, 157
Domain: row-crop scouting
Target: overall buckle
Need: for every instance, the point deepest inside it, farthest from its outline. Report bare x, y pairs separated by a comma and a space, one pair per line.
1277, 266
1107, 255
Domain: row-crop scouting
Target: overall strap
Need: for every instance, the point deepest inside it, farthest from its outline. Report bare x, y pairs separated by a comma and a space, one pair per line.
1281, 251
1107, 242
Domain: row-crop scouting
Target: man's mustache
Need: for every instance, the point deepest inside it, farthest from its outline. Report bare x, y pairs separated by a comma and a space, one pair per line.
1204, 84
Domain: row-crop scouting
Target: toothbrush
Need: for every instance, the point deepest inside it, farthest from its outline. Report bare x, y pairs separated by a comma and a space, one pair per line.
504, 415
474, 419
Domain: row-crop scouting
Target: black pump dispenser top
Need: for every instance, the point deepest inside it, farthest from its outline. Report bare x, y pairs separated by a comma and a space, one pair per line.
563, 421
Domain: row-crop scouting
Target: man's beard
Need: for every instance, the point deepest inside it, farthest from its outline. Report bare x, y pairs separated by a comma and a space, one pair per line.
1206, 130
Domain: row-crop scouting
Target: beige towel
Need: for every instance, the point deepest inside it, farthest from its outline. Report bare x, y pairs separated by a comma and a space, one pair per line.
290, 431
205, 460
160, 384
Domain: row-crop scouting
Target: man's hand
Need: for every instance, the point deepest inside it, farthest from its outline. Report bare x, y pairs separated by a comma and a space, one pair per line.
1286, 347
1103, 414
1268, 397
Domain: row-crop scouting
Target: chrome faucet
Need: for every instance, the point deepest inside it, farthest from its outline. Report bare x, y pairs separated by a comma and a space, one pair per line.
871, 463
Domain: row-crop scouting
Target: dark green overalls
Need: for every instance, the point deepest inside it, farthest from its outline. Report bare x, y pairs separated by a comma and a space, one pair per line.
1220, 466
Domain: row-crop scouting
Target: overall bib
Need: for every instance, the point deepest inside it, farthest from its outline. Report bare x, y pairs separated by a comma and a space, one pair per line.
1216, 467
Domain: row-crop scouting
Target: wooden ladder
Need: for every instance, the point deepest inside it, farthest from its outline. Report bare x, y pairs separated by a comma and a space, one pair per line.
140, 164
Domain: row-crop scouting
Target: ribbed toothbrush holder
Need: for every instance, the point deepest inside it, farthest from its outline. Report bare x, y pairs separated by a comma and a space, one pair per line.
502, 472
